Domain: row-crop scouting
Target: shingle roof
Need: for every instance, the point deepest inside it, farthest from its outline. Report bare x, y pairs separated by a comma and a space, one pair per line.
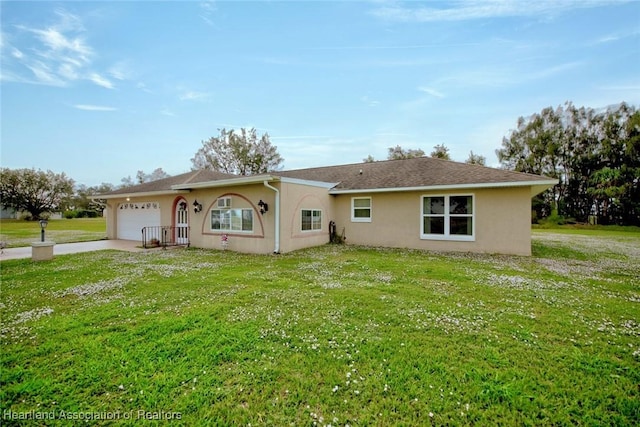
166, 184
410, 173
418, 172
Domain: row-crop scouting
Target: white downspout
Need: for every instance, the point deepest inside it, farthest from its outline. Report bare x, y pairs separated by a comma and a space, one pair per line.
276, 249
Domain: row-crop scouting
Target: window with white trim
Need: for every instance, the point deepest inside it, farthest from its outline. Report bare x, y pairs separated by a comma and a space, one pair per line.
224, 202
311, 219
449, 217
361, 209
232, 220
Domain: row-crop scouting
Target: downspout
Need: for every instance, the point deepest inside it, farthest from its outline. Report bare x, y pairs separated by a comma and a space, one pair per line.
276, 249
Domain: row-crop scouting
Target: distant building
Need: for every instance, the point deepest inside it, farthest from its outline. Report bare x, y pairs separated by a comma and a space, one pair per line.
8, 213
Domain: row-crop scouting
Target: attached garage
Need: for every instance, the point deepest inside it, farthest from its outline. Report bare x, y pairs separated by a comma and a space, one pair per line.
132, 217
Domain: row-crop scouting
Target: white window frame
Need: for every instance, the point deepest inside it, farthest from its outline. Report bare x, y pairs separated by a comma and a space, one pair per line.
230, 212
355, 218
447, 219
312, 212
226, 203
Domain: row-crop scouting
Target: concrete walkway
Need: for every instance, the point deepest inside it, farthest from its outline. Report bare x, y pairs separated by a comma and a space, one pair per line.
73, 248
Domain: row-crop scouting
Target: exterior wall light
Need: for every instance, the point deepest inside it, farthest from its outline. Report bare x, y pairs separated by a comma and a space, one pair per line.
197, 207
263, 207
43, 225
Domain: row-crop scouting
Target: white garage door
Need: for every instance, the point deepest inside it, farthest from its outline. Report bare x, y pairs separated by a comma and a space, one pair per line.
133, 216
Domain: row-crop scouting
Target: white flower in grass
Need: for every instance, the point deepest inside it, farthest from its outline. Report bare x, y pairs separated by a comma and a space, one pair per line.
335, 388
431, 414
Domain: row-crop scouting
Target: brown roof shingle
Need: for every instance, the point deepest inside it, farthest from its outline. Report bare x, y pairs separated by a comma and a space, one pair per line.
166, 184
389, 174
409, 173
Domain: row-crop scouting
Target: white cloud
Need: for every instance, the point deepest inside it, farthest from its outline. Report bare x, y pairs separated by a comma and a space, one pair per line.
430, 91
192, 95
482, 9
119, 71
553, 70
208, 9
619, 35
89, 107
16, 53
44, 75
143, 87
56, 54
68, 72
370, 102
60, 44
100, 81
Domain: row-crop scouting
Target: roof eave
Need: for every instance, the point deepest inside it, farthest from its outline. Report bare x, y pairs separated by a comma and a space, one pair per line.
537, 187
311, 183
542, 186
140, 194
245, 180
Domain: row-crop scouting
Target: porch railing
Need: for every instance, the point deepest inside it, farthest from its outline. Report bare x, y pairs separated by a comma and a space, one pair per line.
165, 235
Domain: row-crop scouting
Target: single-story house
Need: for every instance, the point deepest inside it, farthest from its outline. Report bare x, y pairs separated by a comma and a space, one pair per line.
421, 203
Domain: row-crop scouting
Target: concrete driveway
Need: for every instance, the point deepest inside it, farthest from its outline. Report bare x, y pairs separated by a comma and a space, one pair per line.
72, 248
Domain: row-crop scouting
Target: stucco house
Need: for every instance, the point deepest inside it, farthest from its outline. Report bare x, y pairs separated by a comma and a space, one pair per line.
421, 203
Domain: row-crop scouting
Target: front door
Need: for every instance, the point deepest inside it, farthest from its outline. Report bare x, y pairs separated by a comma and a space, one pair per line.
182, 223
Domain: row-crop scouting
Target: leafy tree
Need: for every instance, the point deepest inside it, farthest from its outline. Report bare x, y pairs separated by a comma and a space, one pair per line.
476, 159
127, 182
399, 153
241, 153
36, 192
84, 198
534, 147
157, 174
369, 159
440, 152
631, 201
142, 177
595, 155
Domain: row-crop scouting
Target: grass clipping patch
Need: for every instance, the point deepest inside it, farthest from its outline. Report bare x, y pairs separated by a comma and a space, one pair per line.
335, 335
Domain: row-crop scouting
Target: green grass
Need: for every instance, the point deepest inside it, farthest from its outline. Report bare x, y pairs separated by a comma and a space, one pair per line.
22, 233
599, 230
336, 335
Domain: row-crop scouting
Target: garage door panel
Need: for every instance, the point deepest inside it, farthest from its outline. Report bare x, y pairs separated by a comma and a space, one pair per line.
132, 217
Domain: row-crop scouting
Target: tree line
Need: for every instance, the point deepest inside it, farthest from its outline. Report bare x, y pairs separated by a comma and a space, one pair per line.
594, 154
38, 193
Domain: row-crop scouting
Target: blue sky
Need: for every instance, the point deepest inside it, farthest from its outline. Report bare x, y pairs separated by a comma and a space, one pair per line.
100, 90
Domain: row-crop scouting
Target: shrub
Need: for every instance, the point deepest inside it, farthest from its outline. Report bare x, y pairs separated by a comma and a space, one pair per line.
81, 213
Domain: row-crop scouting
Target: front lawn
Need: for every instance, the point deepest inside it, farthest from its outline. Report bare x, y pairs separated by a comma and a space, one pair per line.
17, 232
336, 335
